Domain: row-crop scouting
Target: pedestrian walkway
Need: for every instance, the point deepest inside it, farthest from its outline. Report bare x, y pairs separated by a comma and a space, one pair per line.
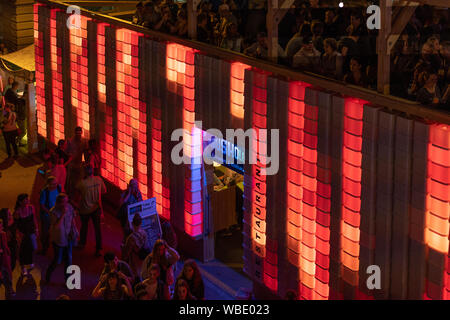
21, 176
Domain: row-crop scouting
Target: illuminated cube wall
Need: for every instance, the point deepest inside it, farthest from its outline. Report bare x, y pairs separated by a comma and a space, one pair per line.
357, 185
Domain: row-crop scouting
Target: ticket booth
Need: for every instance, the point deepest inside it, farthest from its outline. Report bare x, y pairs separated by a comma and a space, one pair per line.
224, 205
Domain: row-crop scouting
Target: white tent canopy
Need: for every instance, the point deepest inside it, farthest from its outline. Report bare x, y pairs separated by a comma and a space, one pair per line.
23, 58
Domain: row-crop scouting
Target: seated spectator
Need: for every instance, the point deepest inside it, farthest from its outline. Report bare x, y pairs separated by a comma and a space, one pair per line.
167, 21
308, 57
231, 39
356, 76
287, 26
331, 61
182, 291
191, 274
136, 247
112, 263
256, 19
110, 287
347, 48
165, 257
230, 4
317, 31
260, 48
433, 42
444, 70
226, 17
295, 44
430, 94
151, 17
180, 27
138, 17
332, 26
402, 66
203, 32
429, 58
417, 82
154, 286
357, 26
317, 13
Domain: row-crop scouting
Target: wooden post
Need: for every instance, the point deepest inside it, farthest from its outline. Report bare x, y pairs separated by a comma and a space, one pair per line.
384, 57
192, 18
275, 14
400, 22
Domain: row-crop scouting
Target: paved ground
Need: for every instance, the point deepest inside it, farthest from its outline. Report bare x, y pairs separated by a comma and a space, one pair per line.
21, 176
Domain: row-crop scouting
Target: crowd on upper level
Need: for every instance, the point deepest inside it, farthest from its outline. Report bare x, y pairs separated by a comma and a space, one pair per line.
322, 38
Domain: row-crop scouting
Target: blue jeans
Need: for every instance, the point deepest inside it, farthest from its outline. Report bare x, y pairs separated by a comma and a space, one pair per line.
60, 253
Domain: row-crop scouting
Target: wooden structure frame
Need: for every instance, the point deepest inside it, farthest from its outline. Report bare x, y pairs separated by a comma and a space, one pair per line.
277, 9
381, 99
338, 154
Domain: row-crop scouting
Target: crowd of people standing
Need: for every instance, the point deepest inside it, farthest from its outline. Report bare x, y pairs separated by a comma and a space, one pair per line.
319, 37
73, 191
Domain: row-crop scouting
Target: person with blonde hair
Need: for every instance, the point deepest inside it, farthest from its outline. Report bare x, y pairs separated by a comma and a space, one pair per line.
164, 256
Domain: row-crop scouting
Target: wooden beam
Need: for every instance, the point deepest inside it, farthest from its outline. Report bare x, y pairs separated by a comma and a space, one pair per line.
192, 18
437, 3
400, 23
275, 13
392, 103
384, 58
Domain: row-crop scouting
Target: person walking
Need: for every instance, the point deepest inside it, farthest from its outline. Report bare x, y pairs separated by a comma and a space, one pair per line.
47, 201
136, 247
164, 256
130, 196
10, 228
10, 130
90, 190
25, 220
155, 287
182, 291
63, 233
113, 286
191, 274
75, 149
92, 157
5, 263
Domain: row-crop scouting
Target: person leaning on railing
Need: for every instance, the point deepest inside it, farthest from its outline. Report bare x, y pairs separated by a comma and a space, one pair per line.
430, 94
